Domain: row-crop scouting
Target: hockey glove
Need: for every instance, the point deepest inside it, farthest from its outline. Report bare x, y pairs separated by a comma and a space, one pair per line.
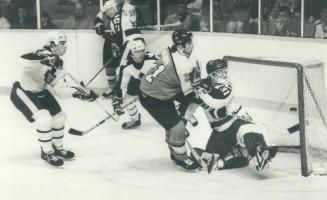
116, 104
53, 61
100, 29
80, 94
115, 50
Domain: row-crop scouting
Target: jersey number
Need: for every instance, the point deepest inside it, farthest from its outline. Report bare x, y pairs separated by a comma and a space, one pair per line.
149, 77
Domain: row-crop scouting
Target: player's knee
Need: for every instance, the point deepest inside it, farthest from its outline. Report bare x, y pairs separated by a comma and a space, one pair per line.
176, 135
43, 120
59, 120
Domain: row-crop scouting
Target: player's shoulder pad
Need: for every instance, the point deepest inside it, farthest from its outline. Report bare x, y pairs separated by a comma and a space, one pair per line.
38, 54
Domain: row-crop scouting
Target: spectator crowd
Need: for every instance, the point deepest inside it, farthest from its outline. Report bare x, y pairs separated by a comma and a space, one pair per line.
278, 17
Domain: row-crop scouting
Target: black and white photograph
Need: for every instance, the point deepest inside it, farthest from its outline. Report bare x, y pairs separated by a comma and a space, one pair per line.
163, 99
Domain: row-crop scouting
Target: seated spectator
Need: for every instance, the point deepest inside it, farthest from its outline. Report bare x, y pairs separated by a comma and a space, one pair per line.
281, 25
321, 25
295, 24
4, 24
79, 20
195, 7
25, 21
181, 15
239, 22
204, 24
46, 22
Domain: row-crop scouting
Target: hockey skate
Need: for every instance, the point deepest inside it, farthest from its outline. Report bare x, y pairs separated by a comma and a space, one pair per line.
264, 155
187, 164
51, 159
108, 94
132, 124
63, 153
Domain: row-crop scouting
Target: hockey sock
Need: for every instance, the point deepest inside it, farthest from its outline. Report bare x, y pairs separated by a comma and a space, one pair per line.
112, 80
58, 137
132, 111
45, 139
178, 151
252, 140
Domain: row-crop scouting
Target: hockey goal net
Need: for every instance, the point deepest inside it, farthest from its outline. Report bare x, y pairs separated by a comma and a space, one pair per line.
280, 94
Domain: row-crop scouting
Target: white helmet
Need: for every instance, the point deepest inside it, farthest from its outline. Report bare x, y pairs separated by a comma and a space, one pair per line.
56, 37
110, 4
137, 45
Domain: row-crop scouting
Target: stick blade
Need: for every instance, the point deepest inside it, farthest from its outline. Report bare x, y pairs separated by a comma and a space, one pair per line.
75, 132
294, 128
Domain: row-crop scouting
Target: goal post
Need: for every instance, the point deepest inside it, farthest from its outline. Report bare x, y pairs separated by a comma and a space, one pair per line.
282, 93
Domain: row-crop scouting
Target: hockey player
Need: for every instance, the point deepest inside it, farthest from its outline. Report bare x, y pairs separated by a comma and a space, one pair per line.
127, 88
115, 23
43, 69
231, 125
168, 81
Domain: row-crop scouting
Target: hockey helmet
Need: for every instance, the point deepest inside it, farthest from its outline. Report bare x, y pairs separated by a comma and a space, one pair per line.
110, 7
55, 37
137, 46
181, 37
217, 71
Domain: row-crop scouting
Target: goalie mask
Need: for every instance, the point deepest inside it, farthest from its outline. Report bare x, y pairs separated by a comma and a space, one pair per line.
111, 8
137, 49
57, 42
217, 71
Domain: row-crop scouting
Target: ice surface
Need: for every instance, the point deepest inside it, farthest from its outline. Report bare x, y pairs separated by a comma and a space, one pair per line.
117, 164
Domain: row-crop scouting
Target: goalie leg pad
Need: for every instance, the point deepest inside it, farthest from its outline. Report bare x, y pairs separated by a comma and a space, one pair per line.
235, 162
252, 141
221, 142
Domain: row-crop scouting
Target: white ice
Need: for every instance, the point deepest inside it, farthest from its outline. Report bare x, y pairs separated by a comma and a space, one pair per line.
117, 164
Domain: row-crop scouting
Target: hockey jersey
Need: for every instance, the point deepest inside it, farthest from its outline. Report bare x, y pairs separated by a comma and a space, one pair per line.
37, 75
170, 77
135, 71
218, 104
124, 20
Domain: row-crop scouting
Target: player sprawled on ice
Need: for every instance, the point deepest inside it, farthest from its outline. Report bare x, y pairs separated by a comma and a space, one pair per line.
30, 95
115, 22
231, 125
127, 88
169, 81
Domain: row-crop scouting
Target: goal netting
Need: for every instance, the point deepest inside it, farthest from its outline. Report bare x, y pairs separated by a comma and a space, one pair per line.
280, 93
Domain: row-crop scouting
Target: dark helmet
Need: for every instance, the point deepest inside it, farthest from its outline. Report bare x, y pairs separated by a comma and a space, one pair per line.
181, 37
214, 65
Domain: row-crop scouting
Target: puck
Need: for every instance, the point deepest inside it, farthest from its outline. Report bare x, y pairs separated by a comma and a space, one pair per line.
293, 109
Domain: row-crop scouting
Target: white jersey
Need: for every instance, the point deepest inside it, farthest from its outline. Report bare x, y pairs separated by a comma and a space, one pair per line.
135, 71
184, 66
37, 76
219, 106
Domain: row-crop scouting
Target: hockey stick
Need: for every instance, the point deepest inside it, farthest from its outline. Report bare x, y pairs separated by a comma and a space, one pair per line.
197, 157
178, 23
81, 133
87, 91
193, 120
103, 67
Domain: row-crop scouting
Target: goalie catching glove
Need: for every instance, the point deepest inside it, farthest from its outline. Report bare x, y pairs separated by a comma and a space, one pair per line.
198, 84
85, 96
